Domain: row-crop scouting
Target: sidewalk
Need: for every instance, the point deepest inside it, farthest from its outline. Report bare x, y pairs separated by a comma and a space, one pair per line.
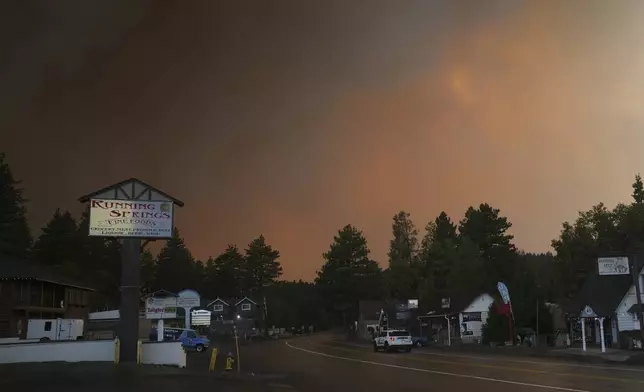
593, 355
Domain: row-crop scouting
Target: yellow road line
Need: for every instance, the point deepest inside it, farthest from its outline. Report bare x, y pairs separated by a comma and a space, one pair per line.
481, 365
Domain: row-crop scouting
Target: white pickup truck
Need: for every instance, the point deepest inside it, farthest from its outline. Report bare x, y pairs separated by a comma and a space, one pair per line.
393, 340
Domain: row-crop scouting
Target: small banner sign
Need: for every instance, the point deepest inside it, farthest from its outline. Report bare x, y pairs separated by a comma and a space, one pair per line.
613, 266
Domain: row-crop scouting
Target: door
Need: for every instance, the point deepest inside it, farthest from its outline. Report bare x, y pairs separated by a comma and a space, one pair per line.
60, 330
65, 329
188, 339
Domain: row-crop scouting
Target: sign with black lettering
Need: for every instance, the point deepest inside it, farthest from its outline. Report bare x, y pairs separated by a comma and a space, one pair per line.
130, 218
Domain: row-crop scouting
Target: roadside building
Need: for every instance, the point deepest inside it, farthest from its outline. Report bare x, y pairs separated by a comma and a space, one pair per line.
398, 314
104, 325
29, 291
597, 307
627, 314
457, 319
244, 313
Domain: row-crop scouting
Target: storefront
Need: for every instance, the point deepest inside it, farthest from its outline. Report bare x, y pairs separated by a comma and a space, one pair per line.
591, 328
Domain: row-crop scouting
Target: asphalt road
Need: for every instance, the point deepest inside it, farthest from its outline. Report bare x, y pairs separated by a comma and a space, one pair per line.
328, 363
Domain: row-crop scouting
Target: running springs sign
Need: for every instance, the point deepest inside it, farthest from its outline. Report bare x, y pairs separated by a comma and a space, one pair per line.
130, 218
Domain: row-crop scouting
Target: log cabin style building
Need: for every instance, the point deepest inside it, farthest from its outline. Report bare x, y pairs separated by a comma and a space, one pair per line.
29, 291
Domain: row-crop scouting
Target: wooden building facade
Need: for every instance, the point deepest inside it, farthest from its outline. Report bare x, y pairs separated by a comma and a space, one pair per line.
29, 291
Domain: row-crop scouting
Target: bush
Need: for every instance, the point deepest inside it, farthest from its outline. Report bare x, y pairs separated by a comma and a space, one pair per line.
495, 329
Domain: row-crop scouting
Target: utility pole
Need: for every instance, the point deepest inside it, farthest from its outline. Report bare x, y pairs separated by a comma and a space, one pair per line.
636, 280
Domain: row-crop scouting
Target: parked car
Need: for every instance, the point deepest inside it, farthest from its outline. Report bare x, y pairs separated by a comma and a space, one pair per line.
393, 340
188, 337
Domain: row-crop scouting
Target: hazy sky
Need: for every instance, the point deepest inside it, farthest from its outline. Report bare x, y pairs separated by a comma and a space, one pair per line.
294, 118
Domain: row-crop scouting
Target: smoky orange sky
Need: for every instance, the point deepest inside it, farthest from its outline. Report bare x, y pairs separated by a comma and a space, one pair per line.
293, 118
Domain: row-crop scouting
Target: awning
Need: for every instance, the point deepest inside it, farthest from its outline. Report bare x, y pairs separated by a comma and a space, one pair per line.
636, 309
442, 315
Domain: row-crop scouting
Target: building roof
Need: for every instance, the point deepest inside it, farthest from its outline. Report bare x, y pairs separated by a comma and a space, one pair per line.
457, 303
11, 269
161, 293
245, 299
228, 301
86, 198
602, 293
105, 315
217, 300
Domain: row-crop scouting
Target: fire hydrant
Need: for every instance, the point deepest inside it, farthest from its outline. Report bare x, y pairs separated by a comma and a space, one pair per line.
230, 360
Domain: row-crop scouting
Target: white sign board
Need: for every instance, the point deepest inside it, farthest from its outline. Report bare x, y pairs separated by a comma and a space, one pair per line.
130, 218
201, 317
613, 266
188, 299
161, 308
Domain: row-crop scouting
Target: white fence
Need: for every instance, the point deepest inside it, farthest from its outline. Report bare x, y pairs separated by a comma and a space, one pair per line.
17, 340
164, 353
75, 351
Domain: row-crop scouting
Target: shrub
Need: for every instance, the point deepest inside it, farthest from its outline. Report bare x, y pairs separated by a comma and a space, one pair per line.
495, 329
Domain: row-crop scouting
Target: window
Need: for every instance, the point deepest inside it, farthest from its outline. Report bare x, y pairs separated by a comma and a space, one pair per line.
17, 291
398, 333
36, 294
75, 297
59, 295
218, 308
24, 290
245, 307
47, 325
191, 334
48, 295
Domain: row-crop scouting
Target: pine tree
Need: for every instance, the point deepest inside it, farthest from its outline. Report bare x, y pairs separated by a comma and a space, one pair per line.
175, 268
488, 230
15, 238
261, 268
437, 255
148, 267
403, 273
224, 274
348, 275
638, 190
58, 244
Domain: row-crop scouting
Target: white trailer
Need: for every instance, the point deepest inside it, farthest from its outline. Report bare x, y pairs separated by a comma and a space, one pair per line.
55, 329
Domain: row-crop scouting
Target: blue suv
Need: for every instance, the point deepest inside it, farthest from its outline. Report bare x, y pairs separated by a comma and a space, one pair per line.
188, 337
